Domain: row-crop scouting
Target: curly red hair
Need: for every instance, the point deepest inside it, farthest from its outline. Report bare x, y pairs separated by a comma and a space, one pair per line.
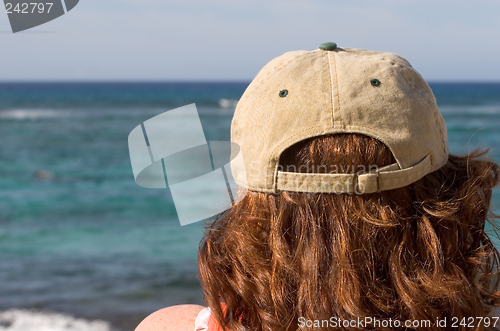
419, 252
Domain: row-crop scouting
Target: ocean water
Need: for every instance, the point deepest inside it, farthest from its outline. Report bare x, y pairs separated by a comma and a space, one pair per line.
78, 237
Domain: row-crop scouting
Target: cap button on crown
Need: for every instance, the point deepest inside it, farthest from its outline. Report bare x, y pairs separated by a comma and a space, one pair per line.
328, 46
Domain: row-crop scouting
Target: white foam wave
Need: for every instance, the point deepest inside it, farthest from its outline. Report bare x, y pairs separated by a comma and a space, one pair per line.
26, 320
468, 109
32, 114
227, 103
226, 107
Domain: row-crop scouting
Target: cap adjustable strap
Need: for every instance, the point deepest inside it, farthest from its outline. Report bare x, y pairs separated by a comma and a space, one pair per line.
386, 178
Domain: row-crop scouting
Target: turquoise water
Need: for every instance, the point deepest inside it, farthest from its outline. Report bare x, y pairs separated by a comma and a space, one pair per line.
82, 237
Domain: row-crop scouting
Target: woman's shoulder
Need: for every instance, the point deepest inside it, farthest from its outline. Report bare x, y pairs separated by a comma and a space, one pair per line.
180, 318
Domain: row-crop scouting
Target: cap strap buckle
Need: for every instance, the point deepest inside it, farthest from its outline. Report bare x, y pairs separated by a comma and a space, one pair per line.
385, 178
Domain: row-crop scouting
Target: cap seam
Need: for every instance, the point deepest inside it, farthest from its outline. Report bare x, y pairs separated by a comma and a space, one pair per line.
337, 104
331, 88
436, 116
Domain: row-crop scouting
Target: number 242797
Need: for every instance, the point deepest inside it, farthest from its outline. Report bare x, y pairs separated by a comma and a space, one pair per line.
29, 8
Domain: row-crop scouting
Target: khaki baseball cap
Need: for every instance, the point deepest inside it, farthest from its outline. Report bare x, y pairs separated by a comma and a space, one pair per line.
304, 94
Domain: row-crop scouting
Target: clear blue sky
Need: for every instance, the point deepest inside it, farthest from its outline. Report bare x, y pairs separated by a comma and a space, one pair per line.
232, 39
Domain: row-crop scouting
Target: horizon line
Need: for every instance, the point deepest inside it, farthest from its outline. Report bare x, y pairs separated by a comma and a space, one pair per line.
125, 81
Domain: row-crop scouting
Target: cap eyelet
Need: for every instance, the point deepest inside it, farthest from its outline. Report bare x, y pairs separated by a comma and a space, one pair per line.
375, 82
283, 93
